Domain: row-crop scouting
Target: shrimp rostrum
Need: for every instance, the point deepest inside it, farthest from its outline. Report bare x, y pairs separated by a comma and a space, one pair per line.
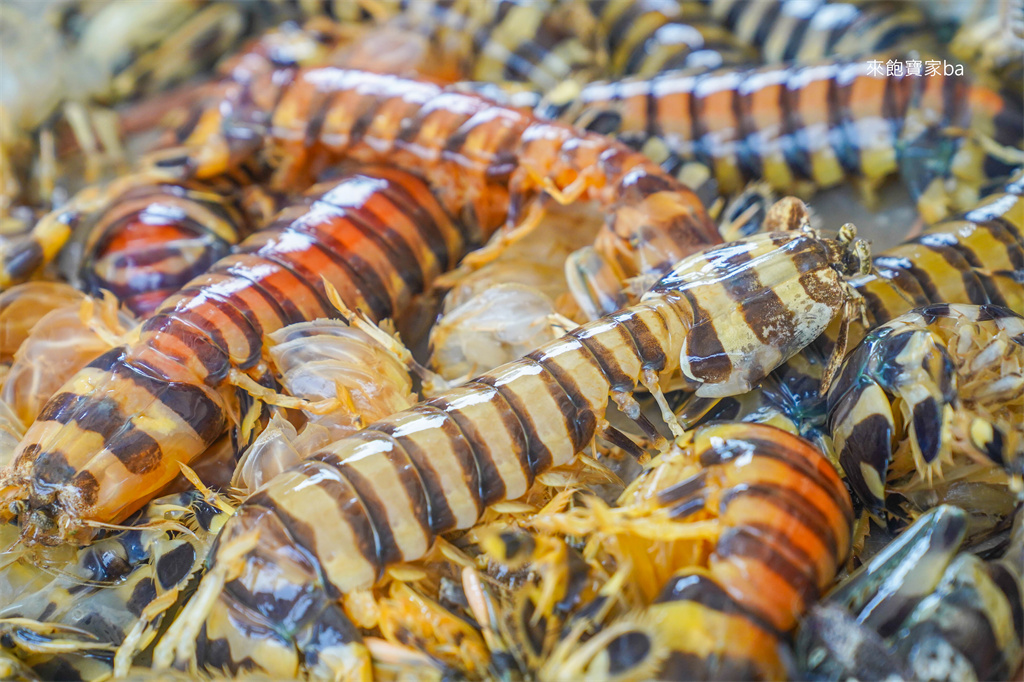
384, 494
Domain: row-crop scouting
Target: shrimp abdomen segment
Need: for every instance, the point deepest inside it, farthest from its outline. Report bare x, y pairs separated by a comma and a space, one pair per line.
757, 302
127, 427
383, 495
485, 160
396, 485
117, 432
977, 257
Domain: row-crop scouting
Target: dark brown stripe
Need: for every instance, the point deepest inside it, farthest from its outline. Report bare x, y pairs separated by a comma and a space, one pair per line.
361, 274
528, 56
431, 232
490, 486
618, 379
974, 291
268, 255
347, 503
245, 265
764, 312
949, 240
366, 117
619, 29
108, 360
584, 421
22, 258
187, 128
513, 427
538, 456
748, 155
1001, 230
387, 550
713, 366
369, 283
439, 513
734, 14
767, 24
878, 313
195, 343
647, 344
406, 472
319, 105
918, 275
652, 125
92, 413
411, 126
793, 505
1009, 584
988, 283
754, 543
460, 445
721, 665
684, 490
239, 313
504, 160
460, 131
220, 279
234, 308
838, 138
578, 417
892, 269
845, 76
169, 321
136, 450
61, 407
400, 254
704, 590
788, 453
702, 150
794, 42
189, 403
794, 148
733, 448
153, 254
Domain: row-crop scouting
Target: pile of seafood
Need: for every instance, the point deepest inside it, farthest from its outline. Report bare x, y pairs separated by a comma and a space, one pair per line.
512, 339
